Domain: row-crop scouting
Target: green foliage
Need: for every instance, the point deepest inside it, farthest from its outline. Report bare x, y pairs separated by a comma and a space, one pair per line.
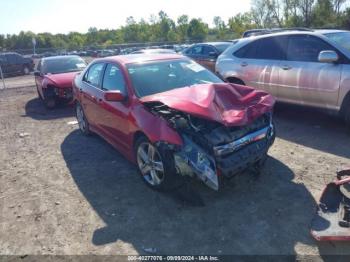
161, 28
197, 30
182, 28
241, 23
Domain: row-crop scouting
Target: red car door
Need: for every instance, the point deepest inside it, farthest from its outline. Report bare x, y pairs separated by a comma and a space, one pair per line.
113, 116
89, 93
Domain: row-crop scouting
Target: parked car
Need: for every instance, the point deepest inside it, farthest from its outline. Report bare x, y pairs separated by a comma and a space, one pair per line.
172, 117
54, 76
154, 51
206, 53
300, 67
49, 54
15, 64
105, 53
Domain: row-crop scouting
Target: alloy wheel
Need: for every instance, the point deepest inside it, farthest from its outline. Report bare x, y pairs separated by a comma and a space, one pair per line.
80, 117
150, 164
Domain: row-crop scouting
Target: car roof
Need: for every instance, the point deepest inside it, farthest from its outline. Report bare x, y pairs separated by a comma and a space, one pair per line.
297, 32
59, 57
215, 43
9, 53
329, 31
140, 58
321, 33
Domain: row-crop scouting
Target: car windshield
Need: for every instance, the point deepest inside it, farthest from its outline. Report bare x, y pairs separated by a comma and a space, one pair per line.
222, 47
341, 38
157, 77
63, 65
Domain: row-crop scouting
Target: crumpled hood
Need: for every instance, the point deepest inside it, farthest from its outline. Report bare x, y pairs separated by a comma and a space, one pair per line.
228, 104
62, 80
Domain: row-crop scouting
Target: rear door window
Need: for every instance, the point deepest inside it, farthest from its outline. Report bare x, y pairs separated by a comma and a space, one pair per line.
272, 48
248, 51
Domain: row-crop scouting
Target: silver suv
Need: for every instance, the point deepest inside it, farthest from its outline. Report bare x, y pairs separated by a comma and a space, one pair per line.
301, 67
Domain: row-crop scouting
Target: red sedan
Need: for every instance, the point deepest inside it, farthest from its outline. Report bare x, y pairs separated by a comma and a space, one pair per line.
54, 77
174, 118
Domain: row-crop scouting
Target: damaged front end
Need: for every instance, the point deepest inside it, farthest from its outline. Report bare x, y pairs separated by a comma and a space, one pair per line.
211, 149
332, 220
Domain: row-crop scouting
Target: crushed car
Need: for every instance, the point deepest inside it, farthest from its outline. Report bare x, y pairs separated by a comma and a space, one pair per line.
54, 77
174, 118
332, 220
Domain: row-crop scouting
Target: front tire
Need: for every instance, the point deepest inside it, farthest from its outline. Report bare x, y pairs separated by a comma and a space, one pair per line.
347, 116
50, 102
39, 95
156, 166
82, 121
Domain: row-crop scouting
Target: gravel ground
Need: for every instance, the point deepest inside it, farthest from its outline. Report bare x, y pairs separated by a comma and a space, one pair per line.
18, 81
64, 193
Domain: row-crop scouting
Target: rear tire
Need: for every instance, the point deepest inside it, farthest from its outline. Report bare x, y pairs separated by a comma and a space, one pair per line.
49, 98
347, 115
50, 102
345, 110
83, 123
157, 169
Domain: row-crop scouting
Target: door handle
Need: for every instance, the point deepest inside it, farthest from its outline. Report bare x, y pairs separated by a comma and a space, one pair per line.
90, 97
244, 64
286, 67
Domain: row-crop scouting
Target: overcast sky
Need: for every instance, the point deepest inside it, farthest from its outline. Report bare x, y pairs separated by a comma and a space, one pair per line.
63, 16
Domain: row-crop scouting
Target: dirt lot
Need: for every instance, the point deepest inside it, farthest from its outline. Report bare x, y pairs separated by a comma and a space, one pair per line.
63, 193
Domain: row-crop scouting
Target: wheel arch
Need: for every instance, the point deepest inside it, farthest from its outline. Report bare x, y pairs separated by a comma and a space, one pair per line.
346, 102
235, 80
137, 136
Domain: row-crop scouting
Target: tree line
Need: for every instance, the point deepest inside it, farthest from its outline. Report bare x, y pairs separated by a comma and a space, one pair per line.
161, 28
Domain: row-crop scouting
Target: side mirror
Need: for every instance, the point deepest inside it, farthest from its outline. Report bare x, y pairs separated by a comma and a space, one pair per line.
114, 96
328, 57
213, 54
37, 73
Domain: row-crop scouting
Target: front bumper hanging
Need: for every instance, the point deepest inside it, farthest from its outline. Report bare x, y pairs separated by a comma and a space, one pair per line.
227, 159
